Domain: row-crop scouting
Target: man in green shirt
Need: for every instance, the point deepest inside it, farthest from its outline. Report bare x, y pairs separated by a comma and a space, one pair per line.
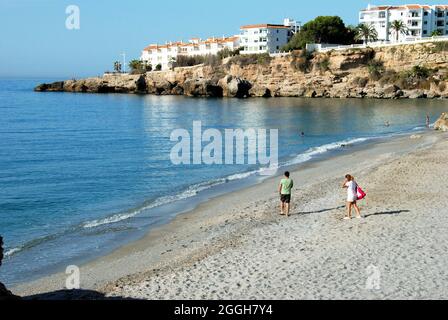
285, 187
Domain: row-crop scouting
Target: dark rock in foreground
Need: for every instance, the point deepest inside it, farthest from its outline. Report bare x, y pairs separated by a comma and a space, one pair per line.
5, 294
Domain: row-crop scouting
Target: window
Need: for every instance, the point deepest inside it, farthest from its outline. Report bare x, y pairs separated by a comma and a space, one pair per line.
426, 13
440, 23
440, 14
278, 47
278, 39
425, 23
425, 31
382, 15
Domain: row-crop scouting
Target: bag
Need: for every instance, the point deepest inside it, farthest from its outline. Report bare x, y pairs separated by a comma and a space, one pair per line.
360, 193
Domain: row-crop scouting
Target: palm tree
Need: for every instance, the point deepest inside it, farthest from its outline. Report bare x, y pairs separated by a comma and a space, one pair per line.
117, 66
135, 65
398, 27
436, 33
366, 32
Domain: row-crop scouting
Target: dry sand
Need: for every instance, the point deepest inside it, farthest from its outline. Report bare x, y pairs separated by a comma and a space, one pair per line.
238, 247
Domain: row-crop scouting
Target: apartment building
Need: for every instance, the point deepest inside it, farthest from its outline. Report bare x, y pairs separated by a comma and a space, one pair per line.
420, 20
165, 55
267, 38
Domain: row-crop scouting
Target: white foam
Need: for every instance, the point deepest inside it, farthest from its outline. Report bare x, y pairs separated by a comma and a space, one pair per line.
188, 193
312, 152
11, 252
240, 176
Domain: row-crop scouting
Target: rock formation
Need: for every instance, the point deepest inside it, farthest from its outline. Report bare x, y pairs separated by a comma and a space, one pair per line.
398, 72
442, 123
235, 87
5, 294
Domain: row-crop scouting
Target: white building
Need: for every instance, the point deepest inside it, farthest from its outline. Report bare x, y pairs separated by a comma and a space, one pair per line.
165, 55
267, 38
420, 20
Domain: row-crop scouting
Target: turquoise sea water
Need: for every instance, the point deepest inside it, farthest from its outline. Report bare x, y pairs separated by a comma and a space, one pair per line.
81, 174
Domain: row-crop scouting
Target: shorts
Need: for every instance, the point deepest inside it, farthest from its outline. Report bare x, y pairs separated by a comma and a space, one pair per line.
285, 198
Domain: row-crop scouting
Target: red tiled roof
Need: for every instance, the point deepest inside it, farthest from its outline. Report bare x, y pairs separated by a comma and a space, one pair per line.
404, 7
181, 44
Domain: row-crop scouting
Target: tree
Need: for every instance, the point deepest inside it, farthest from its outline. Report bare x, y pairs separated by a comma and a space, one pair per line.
398, 27
135, 65
323, 29
117, 66
158, 67
436, 33
366, 32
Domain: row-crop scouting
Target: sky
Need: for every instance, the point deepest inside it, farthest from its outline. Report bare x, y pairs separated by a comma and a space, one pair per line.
35, 42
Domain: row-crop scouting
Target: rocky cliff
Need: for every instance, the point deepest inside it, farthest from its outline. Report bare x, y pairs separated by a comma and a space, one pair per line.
407, 71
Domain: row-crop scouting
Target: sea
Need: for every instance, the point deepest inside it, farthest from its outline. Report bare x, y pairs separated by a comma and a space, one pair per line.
83, 174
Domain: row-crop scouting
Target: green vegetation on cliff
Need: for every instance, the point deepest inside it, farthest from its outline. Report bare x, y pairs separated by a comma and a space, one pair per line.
323, 29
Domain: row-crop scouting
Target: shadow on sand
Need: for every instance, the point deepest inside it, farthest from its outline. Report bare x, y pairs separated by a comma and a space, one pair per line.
397, 212
318, 211
390, 213
75, 295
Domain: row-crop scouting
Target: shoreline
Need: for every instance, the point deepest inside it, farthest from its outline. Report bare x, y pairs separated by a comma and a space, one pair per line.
193, 236
217, 189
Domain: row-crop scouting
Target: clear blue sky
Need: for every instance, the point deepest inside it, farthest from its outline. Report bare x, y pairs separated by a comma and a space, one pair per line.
34, 41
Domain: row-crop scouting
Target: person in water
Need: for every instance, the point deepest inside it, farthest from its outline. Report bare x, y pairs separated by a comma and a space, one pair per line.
428, 121
352, 196
285, 188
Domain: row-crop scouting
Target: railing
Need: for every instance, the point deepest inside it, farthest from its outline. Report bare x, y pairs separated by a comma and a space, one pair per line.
409, 40
279, 54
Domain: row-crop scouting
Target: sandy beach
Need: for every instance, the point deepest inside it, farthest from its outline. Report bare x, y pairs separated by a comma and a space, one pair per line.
238, 247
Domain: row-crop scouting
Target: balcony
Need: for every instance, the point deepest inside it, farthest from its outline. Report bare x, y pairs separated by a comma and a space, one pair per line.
414, 25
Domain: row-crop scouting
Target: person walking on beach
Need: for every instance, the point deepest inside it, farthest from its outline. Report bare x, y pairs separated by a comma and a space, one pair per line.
285, 187
352, 196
